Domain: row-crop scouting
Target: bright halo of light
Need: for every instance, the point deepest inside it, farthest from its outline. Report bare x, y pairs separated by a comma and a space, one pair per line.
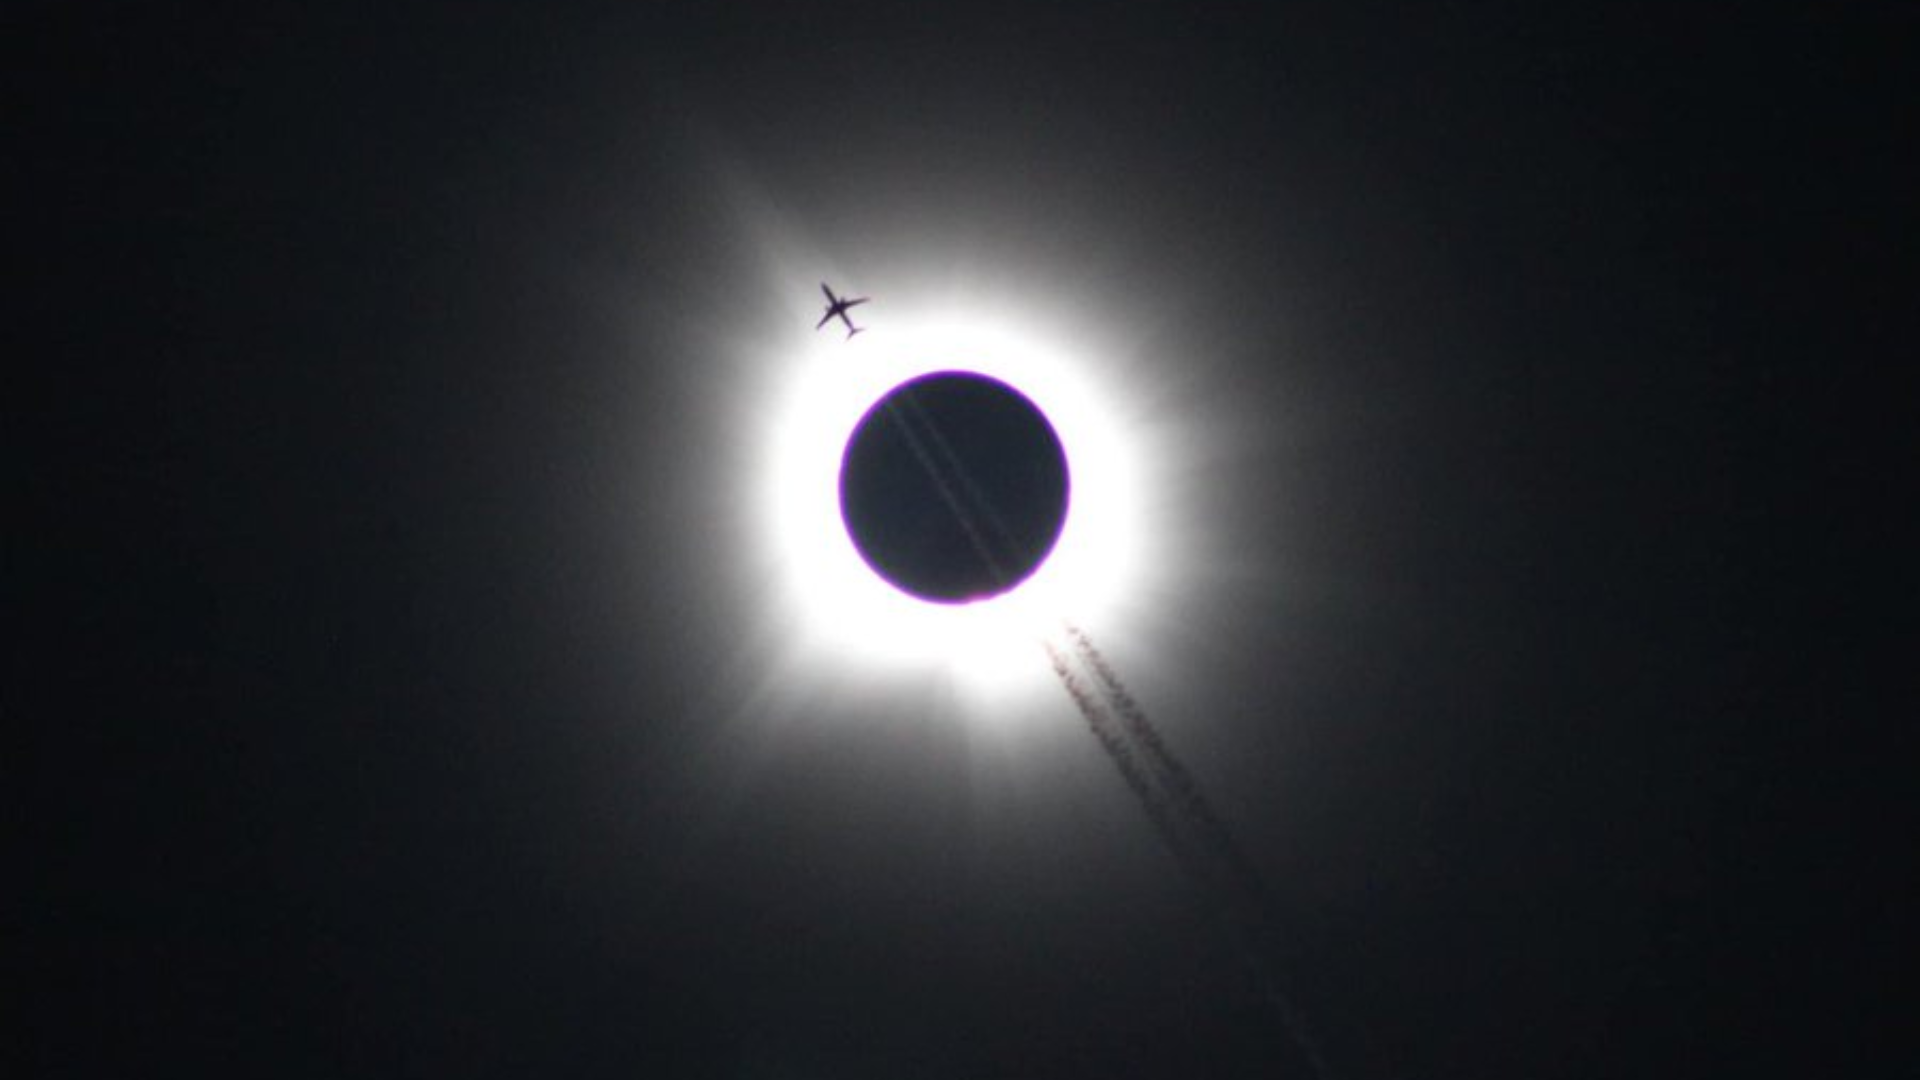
841, 604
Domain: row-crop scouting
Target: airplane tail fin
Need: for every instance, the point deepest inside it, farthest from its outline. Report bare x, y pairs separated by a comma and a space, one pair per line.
855, 330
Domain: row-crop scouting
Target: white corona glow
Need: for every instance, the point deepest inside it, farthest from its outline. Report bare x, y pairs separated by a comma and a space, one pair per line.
837, 601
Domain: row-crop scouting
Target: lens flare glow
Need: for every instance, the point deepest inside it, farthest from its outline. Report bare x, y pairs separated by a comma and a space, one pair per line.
839, 602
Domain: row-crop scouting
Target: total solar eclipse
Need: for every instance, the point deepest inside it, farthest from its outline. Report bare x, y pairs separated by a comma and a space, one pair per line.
953, 487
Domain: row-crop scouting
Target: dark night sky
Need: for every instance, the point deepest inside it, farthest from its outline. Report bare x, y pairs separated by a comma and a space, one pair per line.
388, 703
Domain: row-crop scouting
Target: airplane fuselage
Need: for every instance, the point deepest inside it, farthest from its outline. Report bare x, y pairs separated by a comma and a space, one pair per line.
837, 309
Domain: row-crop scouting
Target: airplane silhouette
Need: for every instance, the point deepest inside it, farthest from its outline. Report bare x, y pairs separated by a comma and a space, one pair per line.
837, 306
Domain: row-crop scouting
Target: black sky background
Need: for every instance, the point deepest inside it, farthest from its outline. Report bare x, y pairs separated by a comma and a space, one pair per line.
386, 703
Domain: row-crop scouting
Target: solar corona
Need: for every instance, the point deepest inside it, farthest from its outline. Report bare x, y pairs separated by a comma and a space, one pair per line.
953, 489
942, 490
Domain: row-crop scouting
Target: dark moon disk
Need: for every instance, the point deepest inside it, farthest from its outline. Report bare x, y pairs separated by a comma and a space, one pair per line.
954, 487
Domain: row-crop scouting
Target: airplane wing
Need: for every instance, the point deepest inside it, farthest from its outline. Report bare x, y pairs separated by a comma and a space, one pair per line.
851, 303
823, 320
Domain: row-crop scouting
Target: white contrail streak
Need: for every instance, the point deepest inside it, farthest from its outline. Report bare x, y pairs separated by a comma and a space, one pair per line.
958, 469
1199, 841
1196, 836
1172, 775
1101, 723
940, 478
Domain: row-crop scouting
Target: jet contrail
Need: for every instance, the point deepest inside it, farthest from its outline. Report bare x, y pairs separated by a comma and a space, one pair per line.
968, 522
1172, 774
1100, 721
995, 519
1197, 838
